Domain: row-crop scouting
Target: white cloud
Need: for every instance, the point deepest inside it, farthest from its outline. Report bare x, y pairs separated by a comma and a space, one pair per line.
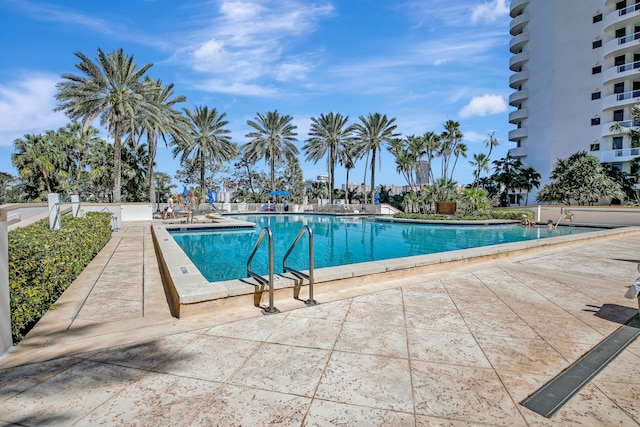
26, 106
483, 106
248, 40
235, 88
490, 11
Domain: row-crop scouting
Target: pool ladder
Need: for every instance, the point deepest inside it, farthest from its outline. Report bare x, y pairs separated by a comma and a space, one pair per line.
270, 281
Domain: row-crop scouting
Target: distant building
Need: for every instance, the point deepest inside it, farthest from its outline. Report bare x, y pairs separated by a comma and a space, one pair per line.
422, 173
575, 70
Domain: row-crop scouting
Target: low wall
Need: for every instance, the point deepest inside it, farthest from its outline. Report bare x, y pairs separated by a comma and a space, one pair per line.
607, 216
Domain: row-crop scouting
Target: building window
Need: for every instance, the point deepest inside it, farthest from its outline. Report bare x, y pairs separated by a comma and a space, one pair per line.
617, 166
621, 32
618, 88
617, 143
596, 44
594, 147
621, 4
597, 18
596, 70
618, 115
595, 121
619, 60
595, 95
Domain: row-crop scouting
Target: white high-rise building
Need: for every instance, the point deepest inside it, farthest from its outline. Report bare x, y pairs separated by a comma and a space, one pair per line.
576, 67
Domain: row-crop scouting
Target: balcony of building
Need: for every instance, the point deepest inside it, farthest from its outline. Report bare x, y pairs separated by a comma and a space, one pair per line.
518, 134
518, 60
518, 79
518, 115
618, 156
619, 73
517, 7
620, 45
607, 131
518, 152
518, 23
620, 100
517, 42
621, 17
518, 97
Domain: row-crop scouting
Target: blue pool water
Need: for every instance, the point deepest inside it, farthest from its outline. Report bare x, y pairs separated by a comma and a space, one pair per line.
222, 255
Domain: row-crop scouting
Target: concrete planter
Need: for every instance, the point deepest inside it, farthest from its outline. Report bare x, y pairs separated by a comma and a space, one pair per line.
446, 208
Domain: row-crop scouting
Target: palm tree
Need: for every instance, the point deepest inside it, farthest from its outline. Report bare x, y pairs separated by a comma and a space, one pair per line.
111, 88
167, 122
272, 139
209, 140
531, 179
347, 159
431, 141
481, 163
328, 136
372, 132
37, 160
491, 142
449, 140
460, 150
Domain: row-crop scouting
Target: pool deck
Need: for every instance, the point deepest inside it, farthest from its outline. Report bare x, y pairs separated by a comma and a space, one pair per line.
459, 346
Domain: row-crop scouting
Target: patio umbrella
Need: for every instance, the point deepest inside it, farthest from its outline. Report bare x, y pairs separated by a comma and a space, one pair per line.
210, 196
377, 199
279, 193
184, 195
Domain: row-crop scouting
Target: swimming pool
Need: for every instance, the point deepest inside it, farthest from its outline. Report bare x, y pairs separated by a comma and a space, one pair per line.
339, 240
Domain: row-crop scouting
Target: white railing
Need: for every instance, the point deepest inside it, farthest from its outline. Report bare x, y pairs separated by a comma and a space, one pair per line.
628, 123
629, 38
628, 95
629, 66
626, 152
629, 9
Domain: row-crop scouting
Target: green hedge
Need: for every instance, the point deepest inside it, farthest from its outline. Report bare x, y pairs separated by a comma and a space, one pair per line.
493, 214
44, 262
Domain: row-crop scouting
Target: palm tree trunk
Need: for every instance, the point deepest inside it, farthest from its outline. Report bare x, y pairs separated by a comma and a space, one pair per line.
201, 174
373, 175
331, 183
117, 167
273, 174
346, 188
152, 149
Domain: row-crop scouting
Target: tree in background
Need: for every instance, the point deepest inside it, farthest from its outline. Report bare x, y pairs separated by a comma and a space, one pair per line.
328, 136
579, 178
293, 181
167, 122
450, 145
480, 163
373, 131
9, 189
272, 140
506, 174
112, 89
347, 160
209, 141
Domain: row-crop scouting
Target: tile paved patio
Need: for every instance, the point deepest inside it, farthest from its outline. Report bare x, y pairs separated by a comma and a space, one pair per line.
455, 348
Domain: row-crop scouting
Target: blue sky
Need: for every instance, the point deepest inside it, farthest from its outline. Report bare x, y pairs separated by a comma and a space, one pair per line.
420, 61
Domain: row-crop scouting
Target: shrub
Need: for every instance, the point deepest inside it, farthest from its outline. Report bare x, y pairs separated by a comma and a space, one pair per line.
510, 214
507, 214
44, 262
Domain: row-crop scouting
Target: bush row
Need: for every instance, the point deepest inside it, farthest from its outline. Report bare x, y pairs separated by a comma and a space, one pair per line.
44, 262
505, 214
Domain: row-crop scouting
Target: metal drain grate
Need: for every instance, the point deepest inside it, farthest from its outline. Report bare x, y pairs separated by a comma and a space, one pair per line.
550, 397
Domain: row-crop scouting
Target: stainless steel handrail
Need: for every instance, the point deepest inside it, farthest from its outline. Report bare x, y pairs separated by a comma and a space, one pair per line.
260, 279
298, 273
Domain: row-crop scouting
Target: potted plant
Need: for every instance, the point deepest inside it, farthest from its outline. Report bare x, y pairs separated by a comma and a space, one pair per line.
445, 202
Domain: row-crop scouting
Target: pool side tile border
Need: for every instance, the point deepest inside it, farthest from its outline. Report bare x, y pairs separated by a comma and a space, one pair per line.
192, 289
